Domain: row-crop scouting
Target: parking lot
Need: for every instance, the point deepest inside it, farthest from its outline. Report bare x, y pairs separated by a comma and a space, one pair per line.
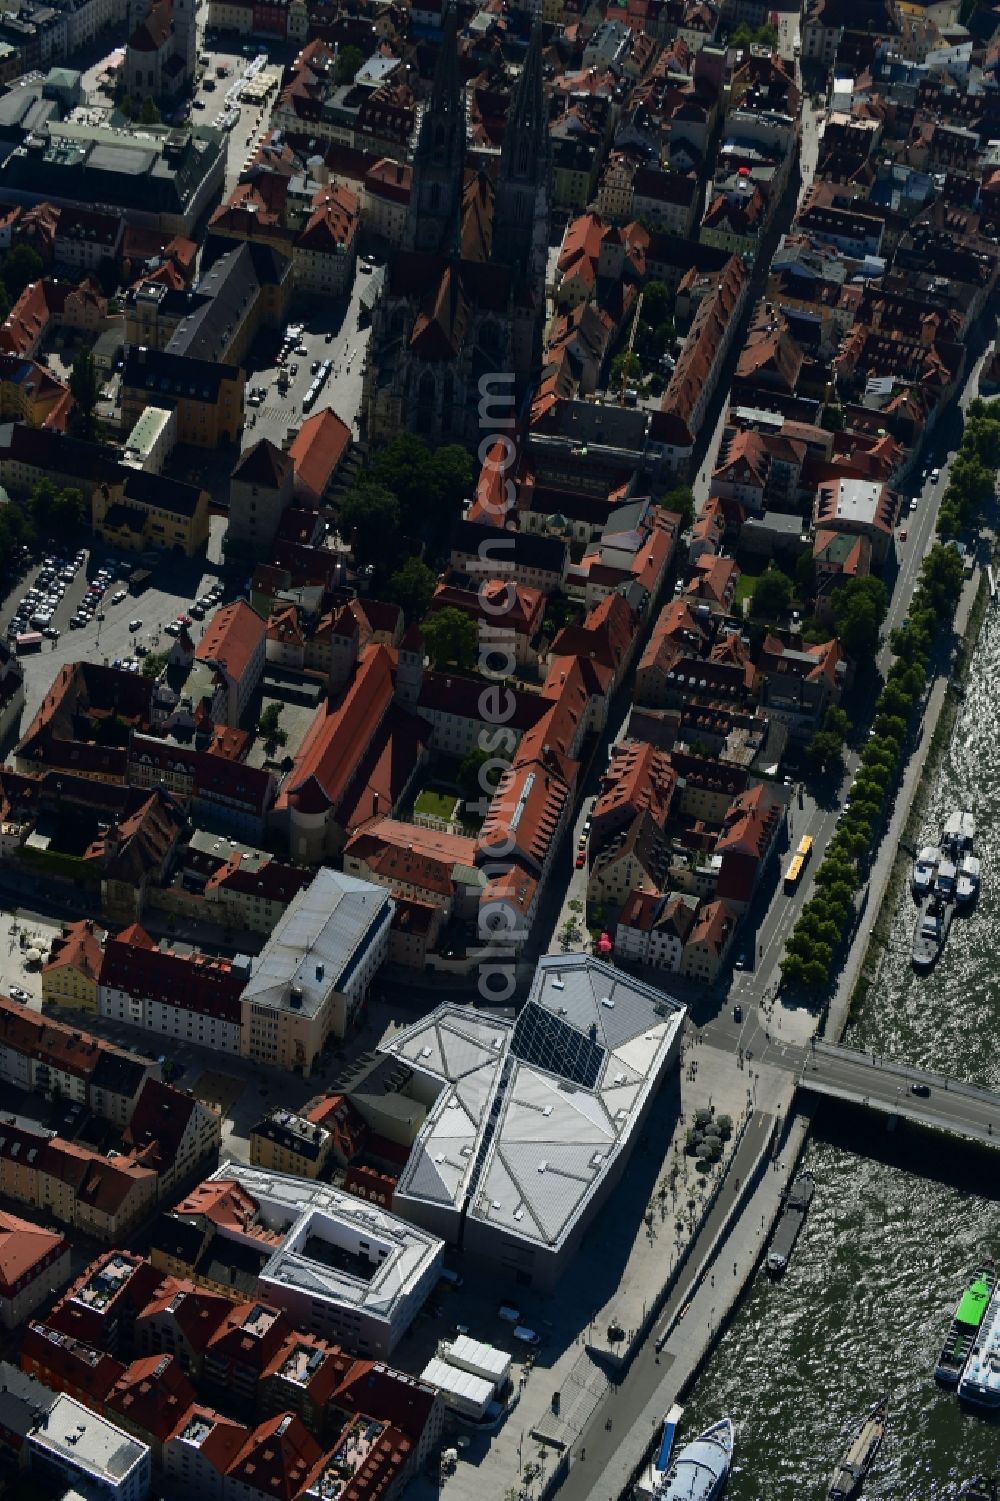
177, 583
217, 99
333, 333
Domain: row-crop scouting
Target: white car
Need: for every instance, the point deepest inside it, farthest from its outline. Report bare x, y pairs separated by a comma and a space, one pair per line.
118, 596
935, 476
914, 503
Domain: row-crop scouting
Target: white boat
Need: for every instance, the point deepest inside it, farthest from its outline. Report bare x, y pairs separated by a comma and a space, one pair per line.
647, 1487
979, 1383
924, 870
701, 1468
951, 834
967, 884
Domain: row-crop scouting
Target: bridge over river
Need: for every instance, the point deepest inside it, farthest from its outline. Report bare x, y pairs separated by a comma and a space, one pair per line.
901, 1091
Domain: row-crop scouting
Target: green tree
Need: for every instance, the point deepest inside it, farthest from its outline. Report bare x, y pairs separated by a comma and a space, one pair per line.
86, 389
349, 60
269, 720
107, 276
450, 637
892, 700
429, 486
149, 114
21, 266
825, 750
657, 303
473, 782
805, 576
859, 608
69, 512
889, 726
772, 594
369, 515
42, 507
836, 721
126, 107
153, 664
746, 36
941, 578
832, 872
681, 500
625, 369
412, 588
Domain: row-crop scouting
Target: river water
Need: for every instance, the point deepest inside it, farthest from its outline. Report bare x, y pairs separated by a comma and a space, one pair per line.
896, 1223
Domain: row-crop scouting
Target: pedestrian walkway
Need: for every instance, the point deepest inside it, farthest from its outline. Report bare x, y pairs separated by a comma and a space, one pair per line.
885, 860
613, 1456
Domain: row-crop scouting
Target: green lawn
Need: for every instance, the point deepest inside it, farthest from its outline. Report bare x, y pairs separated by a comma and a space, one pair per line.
752, 565
436, 804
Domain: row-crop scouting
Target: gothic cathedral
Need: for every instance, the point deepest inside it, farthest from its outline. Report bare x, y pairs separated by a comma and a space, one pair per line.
465, 297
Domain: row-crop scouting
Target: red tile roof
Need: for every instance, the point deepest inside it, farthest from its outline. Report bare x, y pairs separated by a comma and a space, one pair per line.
232, 637
25, 1251
339, 735
153, 1395
317, 450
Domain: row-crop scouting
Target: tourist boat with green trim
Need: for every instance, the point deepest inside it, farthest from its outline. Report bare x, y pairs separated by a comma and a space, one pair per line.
966, 1323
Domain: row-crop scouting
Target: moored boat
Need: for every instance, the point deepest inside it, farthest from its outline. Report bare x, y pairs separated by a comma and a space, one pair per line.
931, 930
793, 1215
856, 1459
966, 1323
700, 1470
967, 885
924, 870
979, 1383
647, 1487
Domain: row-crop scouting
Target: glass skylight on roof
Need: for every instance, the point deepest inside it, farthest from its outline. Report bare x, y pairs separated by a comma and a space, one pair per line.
549, 1043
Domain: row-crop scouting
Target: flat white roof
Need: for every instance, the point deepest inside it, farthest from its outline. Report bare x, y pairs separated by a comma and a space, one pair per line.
532, 1113
461, 1383
486, 1357
857, 500
87, 1441
318, 941
304, 1211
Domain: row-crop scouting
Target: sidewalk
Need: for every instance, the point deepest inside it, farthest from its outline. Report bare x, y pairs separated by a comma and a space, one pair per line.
708, 1303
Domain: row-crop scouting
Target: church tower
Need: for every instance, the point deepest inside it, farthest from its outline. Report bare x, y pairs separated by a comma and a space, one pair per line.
186, 36
521, 214
435, 214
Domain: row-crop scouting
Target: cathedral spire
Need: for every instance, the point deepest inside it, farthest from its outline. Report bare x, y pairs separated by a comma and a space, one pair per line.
446, 90
435, 213
520, 220
527, 109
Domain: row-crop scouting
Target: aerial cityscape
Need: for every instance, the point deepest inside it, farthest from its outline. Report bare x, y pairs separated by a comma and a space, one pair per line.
499, 792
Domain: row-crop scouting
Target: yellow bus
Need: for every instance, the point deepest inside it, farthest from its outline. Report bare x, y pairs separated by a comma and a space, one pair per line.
805, 847
794, 871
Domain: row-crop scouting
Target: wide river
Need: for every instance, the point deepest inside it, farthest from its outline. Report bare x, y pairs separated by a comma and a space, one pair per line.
895, 1224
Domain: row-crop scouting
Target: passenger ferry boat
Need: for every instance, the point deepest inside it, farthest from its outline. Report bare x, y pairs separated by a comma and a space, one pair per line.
979, 1383
701, 1468
966, 1323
